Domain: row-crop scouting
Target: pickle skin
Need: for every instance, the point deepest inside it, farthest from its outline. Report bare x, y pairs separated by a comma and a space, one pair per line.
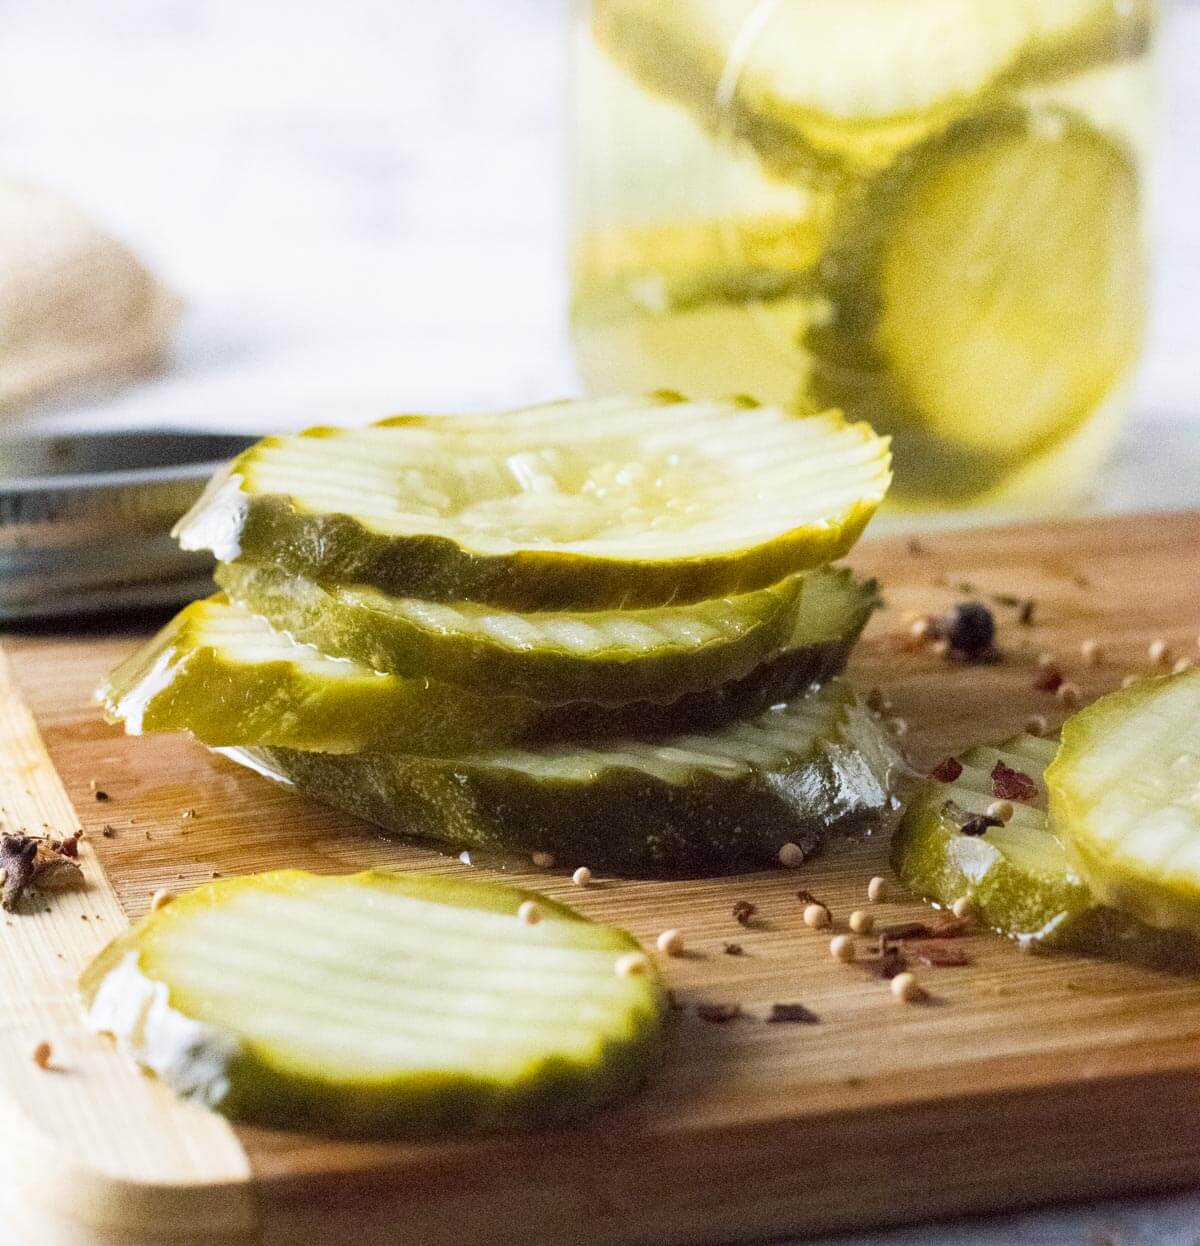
272, 529
1054, 910
185, 680
826, 607
240, 1075
621, 820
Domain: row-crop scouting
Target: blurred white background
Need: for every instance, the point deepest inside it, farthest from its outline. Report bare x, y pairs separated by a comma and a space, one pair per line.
362, 202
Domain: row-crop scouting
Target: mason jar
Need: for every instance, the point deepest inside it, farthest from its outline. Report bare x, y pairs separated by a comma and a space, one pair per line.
927, 213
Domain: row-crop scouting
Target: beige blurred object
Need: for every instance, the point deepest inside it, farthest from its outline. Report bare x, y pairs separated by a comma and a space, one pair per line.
77, 307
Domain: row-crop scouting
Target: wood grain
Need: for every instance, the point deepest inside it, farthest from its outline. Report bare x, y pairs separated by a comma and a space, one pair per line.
89, 1141
1022, 1079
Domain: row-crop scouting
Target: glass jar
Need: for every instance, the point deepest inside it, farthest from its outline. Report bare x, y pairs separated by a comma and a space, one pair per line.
929, 213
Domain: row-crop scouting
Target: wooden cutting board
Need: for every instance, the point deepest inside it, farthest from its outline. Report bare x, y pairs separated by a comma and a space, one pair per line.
1021, 1079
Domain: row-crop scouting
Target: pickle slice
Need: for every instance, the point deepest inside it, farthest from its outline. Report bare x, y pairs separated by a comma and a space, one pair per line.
379, 1004
689, 803
1125, 792
831, 86
1019, 877
224, 674
611, 502
986, 294
607, 657
662, 270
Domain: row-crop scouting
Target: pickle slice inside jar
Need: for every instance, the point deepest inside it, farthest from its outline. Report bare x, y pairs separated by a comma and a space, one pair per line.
985, 296
224, 674
1125, 791
693, 803
606, 657
837, 86
619, 502
379, 1004
1020, 879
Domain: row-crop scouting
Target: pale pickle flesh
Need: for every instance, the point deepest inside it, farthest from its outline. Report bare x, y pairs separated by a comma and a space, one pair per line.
379, 1004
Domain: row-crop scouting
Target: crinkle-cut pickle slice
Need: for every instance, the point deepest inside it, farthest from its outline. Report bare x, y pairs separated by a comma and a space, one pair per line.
837, 86
1125, 794
662, 270
986, 296
224, 674
690, 803
618, 502
378, 1003
608, 657
1020, 880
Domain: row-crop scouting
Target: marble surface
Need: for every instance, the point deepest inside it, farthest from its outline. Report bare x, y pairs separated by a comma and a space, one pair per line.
362, 204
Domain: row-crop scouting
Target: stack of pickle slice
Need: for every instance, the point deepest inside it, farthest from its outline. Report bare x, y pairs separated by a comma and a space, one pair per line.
605, 630
961, 261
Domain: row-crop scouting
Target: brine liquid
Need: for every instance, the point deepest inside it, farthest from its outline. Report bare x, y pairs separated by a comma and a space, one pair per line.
696, 265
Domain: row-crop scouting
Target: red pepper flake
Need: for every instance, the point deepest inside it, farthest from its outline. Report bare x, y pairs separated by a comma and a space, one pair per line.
947, 770
1025, 617
1049, 679
889, 959
807, 897
733, 949
968, 823
795, 1014
916, 548
939, 955
743, 912
718, 1014
1010, 784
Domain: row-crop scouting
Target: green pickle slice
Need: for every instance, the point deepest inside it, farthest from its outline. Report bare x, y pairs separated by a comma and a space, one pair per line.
985, 296
608, 657
836, 87
1125, 790
690, 803
224, 674
1020, 879
620, 502
379, 1004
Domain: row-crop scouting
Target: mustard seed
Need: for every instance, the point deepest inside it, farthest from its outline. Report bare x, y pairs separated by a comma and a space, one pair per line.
670, 943
1036, 724
543, 860
1181, 665
877, 890
1001, 809
791, 855
582, 876
161, 898
906, 988
631, 964
1067, 693
841, 947
1159, 652
817, 916
42, 1054
1091, 652
530, 912
862, 922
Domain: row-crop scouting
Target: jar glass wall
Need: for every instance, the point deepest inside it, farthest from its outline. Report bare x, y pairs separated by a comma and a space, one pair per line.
929, 213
